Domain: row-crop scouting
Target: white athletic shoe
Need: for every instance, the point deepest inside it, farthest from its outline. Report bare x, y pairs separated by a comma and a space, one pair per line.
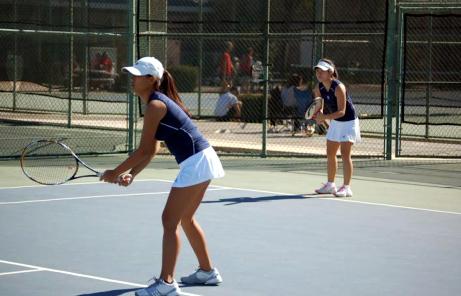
328, 188
344, 191
160, 288
201, 277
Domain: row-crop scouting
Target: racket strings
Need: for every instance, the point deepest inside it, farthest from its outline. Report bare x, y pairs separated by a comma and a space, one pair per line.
48, 163
310, 124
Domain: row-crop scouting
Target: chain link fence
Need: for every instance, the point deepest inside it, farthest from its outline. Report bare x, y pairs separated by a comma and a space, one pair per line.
60, 74
60, 71
263, 48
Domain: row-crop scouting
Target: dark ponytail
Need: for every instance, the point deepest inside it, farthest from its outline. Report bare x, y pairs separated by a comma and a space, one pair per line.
168, 88
335, 71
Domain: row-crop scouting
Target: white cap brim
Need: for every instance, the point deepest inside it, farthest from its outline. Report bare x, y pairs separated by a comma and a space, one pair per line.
324, 66
132, 70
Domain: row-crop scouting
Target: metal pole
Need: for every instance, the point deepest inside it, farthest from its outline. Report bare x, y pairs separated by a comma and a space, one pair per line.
429, 74
390, 73
324, 10
399, 83
71, 63
131, 60
318, 34
266, 79
165, 29
200, 65
50, 21
149, 27
85, 63
320, 15
15, 62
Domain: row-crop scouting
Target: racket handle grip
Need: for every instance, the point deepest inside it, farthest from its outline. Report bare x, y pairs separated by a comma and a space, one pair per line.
119, 178
99, 174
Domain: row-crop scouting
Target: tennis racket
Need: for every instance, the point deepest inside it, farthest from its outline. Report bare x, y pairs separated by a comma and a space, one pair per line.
309, 125
50, 162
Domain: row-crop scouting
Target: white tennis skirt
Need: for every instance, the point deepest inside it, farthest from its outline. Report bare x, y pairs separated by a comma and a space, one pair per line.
344, 131
198, 168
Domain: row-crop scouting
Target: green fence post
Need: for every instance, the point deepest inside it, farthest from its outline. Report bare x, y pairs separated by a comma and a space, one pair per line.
131, 40
15, 62
266, 79
84, 81
399, 81
71, 62
200, 61
319, 30
15, 70
390, 76
429, 78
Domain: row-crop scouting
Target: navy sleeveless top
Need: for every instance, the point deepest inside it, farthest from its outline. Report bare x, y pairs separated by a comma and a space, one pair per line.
330, 101
177, 130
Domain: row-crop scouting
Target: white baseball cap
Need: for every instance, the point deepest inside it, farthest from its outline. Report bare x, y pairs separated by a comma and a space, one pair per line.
146, 66
324, 66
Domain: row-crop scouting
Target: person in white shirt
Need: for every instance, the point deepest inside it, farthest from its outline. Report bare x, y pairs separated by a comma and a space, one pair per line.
228, 106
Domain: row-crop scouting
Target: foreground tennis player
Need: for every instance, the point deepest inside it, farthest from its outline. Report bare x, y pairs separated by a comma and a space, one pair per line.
166, 119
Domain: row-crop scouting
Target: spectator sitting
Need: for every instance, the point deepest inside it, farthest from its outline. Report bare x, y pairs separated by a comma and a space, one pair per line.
287, 94
303, 95
228, 106
296, 97
289, 99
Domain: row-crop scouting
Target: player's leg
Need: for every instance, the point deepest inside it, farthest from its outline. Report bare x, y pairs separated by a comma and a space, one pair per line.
175, 207
346, 155
178, 201
206, 273
332, 163
194, 232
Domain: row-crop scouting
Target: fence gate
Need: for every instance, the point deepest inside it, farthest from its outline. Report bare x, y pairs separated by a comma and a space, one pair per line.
428, 117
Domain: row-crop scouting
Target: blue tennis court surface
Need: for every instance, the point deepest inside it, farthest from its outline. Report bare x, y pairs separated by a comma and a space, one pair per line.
103, 240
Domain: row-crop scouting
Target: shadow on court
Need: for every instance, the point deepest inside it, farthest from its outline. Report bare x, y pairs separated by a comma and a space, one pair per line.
110, 293
239, 200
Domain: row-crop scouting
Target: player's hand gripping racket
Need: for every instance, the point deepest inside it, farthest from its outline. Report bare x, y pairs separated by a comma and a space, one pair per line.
50, 162
314, 109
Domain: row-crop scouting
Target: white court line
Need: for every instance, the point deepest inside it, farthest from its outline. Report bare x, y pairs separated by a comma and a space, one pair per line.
392, 206
73, 184
91, 197
20, 271
39, 268
217, 187
346, 200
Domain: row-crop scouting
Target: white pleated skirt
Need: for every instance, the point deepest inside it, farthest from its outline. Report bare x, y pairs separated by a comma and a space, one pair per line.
344, 131
198, 168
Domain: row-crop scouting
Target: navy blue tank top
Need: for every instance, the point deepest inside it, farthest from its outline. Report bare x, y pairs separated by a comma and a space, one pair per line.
177, 130
330, 101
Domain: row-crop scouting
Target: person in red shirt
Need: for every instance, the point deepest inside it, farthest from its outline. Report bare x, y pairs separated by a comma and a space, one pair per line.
246, 69
106, 63
226, 67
